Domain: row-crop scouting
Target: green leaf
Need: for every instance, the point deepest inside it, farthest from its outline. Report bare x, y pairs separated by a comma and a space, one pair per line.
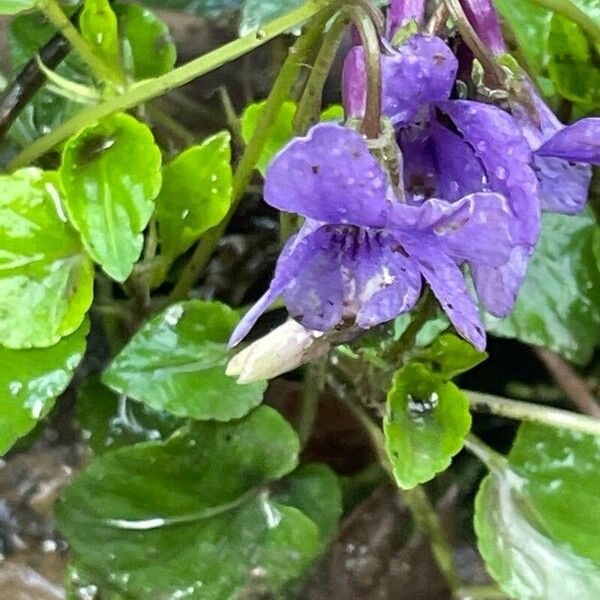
425, 424
109, 420
562, 471
257, 12
192, 517
195, 195
450, 356
26, 35
282, 129
531, 26
315, 490
559, 304
98, 24
280, 134
45, 277
571, 65
31, 380
536, 519
177, 361
211, 9
148, 49
11, 7
111, 175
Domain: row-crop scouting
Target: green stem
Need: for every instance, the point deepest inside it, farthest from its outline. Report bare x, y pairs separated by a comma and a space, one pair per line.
371, 122
575, 14
243, 173
429, 522
151, 88
495, 76
99, 68
426, 309
535, 413
416, 500
314, 383
490, 458
309, 108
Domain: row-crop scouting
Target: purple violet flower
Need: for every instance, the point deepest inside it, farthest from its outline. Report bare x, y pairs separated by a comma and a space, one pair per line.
562, 155
361, 255
454, 148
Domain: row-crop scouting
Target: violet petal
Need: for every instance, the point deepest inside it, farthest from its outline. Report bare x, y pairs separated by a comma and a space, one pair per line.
329, 176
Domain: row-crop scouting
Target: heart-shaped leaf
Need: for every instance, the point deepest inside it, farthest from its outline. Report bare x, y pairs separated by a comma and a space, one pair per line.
177, 361
111, 175
46, 278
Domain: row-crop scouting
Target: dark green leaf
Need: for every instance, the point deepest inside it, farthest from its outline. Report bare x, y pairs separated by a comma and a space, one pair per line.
195, 195
11, 7
536, 519
111, 175
559, 303
425, 424
192, 517
450, 356
315, 490
148, 50
571, 65
31, 380
177, 361
111, 420
45, 277
281, 131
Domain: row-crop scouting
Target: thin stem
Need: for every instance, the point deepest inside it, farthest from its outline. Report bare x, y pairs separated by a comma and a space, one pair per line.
438, 19
424, 312
231, 116
370, 126
490, 458
243, 173
573, 385
151, 88
416, 500
573, 13
429, 521
494, 74
524, 411
309, 107
314, 383
99, 68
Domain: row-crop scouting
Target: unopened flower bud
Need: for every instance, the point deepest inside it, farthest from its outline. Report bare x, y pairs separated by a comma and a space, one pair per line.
284, 349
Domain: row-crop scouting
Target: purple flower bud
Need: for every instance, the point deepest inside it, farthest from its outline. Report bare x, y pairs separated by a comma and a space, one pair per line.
401, 12
484, 19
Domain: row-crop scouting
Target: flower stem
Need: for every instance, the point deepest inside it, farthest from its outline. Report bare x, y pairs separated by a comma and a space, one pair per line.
151, 88
490, 458
309, 106
524, 411
495, 76
370, 41
279, 93
573, 13
98, 67
424, 312
416, 499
